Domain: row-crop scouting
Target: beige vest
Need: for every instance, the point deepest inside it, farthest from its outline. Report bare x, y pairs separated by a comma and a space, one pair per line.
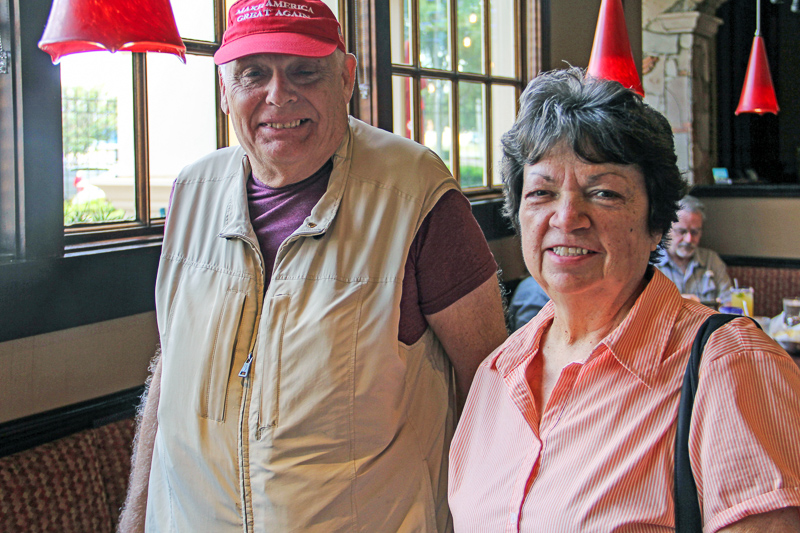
335, 425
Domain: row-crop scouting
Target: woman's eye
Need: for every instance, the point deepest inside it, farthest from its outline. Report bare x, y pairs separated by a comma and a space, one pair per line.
606, 194
537, 193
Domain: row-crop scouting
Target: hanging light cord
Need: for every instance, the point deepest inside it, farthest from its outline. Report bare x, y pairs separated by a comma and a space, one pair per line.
758, 18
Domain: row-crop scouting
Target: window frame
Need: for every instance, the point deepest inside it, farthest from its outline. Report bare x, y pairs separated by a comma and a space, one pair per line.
81, 237
416, 73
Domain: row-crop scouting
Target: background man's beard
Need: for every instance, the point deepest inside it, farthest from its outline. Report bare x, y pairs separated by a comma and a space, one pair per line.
685, 250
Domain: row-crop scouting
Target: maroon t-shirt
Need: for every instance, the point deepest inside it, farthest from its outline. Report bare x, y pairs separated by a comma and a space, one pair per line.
449, 257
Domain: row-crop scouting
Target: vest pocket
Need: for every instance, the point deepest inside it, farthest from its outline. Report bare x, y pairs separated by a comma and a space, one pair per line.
214, 385
269, 364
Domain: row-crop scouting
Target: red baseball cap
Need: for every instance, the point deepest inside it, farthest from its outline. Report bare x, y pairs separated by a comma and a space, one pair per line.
295, 27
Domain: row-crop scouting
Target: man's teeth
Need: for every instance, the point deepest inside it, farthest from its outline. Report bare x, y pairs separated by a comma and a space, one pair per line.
568, 251
284, 126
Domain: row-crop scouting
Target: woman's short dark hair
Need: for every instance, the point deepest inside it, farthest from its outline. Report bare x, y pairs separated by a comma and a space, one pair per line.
603, 122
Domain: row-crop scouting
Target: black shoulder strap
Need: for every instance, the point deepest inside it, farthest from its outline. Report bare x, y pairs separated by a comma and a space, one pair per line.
688, 518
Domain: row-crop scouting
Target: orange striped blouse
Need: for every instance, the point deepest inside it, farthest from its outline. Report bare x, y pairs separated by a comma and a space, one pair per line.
602, 457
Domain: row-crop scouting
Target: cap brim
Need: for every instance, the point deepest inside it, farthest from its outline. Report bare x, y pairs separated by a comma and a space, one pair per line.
274, 43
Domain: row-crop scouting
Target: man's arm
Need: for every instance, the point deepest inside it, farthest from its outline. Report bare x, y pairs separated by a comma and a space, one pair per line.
469, 330
779, 521
528, 300
721, 277
133, 512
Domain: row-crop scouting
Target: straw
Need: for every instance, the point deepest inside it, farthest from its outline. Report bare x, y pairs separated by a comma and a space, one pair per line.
746, 310
735, 283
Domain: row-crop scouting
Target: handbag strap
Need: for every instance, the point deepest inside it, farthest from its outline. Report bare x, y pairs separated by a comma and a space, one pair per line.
688, 518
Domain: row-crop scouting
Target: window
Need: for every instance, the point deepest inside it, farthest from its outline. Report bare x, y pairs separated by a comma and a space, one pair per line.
126, 123
130, 122
456, 75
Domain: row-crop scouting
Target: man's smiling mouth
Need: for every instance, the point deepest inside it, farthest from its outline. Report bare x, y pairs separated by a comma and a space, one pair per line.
285, 125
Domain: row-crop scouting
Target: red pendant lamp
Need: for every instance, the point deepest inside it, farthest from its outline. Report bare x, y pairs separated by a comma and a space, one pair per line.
611, 57
758, 93
130, 25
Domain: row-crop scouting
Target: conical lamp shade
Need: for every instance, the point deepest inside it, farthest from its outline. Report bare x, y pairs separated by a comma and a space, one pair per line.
758, 93
131, 25
611, 57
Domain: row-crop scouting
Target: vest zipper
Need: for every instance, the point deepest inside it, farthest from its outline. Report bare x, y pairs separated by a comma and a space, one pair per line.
246, 366
244, 373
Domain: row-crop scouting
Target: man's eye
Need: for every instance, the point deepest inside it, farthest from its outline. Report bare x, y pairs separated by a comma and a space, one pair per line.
305, 74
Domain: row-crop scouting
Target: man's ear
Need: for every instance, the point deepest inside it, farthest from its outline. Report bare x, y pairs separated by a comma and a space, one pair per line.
349, 75
223, 95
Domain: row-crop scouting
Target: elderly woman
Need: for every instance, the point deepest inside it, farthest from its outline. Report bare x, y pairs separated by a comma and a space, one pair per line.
570, 424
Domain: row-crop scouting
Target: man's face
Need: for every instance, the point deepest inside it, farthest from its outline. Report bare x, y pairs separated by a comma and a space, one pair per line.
289, 112
685, 235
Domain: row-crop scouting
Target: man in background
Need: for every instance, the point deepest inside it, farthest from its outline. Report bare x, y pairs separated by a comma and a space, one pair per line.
699, 273
324, 298
529, 298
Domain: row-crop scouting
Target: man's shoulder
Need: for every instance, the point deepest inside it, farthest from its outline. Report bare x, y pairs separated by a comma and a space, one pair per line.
221, 163
708, 257
376, 151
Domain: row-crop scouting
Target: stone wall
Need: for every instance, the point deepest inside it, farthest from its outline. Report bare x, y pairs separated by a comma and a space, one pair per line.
678, 69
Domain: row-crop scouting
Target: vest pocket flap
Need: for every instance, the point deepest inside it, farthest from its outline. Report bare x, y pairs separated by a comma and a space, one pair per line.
215, 382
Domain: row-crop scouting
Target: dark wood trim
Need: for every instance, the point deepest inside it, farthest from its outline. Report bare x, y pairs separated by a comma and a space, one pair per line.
93, 284
382, 73
49, 295
767, 262
489, 214
31, 431
38, 138
750, 190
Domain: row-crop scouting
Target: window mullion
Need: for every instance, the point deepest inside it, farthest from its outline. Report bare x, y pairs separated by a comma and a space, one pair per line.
416, 87
487, 124
140, 135
454, 106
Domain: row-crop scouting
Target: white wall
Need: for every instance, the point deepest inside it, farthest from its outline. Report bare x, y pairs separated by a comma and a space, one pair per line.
753, 227
53, 370
573, 23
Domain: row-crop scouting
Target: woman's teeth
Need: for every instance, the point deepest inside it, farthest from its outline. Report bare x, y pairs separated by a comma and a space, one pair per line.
569, 251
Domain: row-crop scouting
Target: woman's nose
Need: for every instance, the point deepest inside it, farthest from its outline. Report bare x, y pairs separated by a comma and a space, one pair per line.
570, 214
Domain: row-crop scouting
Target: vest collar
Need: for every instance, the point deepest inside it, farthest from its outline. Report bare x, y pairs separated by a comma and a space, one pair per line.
237, 216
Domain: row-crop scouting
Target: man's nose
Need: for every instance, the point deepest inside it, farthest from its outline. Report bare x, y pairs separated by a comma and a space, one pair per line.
280, 90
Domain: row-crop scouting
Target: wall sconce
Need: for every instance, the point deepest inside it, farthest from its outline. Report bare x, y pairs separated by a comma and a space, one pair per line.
611, 57
128, 25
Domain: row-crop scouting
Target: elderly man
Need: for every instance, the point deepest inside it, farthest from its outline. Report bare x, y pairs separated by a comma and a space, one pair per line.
324, 298
699, 273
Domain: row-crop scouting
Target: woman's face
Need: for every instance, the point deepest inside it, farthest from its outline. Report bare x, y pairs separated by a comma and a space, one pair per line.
584, 226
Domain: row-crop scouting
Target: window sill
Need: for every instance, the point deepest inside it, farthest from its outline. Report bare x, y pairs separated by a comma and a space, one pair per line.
83, 287
115, 277
747, 190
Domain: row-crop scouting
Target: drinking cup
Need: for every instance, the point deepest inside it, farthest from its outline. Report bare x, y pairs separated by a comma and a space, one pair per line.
743, 297
791, 311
